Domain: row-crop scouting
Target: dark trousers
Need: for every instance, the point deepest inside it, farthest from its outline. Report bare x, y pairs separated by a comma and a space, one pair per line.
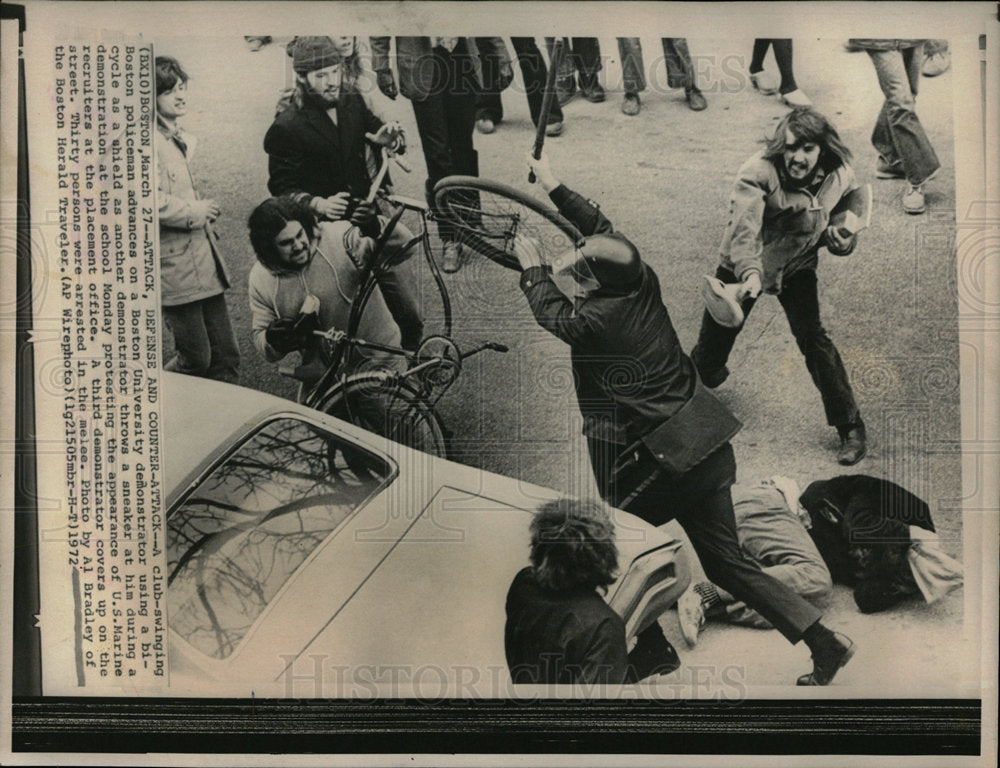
204, 341
701, 502
533, 71
800, 300
782, 56
445, 122
581, 55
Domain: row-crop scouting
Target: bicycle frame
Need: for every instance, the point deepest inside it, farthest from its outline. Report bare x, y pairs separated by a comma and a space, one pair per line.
371, 271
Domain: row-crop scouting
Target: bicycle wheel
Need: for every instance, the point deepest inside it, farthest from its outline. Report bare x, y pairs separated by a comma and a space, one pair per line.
379, 402
488, 214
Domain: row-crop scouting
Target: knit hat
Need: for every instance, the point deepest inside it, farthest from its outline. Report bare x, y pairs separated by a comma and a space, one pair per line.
312, 53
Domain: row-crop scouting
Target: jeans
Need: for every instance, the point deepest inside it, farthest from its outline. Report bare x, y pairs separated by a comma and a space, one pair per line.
204, 341
680, 68
700, 500
800, 300
782, 56
534, 72
898, 135
445, 122
772, 536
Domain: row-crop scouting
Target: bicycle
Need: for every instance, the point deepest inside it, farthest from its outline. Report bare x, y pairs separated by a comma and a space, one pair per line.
397, 404
491, 216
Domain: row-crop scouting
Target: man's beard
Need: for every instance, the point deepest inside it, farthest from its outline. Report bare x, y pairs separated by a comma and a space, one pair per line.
318, 99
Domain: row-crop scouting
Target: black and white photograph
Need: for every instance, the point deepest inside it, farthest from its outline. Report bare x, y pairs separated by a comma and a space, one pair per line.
464, 397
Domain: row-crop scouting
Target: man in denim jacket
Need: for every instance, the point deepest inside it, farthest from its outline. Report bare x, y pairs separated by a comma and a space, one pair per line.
779, 219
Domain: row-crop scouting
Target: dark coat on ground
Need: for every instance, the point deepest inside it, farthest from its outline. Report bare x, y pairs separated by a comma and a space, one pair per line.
861, 526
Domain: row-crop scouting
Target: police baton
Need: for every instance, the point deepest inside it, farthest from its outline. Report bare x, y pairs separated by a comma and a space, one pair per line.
549, 94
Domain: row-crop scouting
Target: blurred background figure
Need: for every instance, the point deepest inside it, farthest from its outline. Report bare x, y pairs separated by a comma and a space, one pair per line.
441, 77
489, 107
904, 150
680, 72
764, 81
580, 63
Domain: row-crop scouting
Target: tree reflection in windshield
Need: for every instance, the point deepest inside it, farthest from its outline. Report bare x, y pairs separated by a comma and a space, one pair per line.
245, 529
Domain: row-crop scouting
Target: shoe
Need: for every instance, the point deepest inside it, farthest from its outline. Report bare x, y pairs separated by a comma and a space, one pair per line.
593, 92
554, 129
653, 654
453, 257
764, 82
913, 199
256, 43
796, 99
690, 615
853, 445
936, 64
565, 90
884, 170
631, 104
715, 378
828, 662
695, 99
485, 125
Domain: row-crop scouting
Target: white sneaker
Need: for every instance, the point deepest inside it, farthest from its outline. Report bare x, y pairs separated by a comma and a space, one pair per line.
690, 615
764, 82
796, 99
913, 199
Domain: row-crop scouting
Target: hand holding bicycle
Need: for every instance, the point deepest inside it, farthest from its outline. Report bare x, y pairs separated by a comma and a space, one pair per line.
285, 334
333, 207
364, 217
391, 136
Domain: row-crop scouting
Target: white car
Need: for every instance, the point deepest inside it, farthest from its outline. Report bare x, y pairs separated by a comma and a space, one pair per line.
308, 557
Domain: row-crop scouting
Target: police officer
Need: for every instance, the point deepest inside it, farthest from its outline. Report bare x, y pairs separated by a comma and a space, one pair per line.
658, 439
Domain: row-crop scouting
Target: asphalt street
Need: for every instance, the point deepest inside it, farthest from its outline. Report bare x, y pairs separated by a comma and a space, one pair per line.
663, 178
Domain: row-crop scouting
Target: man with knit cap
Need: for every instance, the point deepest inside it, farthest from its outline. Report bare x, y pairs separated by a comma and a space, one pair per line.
318, 154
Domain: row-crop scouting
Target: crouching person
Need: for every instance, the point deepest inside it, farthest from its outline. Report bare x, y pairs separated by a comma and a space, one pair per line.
559, 630
307, 277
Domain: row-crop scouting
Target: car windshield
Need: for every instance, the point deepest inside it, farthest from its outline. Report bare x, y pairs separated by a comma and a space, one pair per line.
242, 532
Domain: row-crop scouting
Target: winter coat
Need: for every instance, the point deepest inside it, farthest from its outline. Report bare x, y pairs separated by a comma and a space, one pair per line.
420, 79
560, 638
630, 371
776, 229
861, 526
191, 266
309, 155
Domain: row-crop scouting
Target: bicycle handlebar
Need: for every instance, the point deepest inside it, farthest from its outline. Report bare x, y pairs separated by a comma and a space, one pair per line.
387, 155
